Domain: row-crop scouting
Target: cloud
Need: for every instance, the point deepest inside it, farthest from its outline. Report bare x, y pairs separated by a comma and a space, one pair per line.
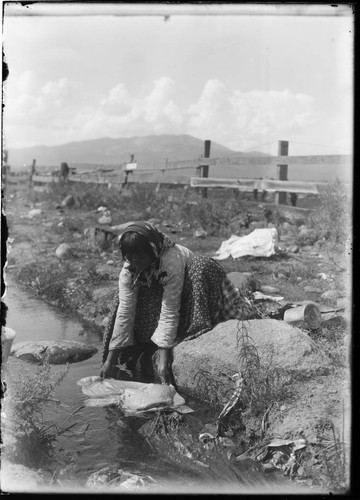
62, 111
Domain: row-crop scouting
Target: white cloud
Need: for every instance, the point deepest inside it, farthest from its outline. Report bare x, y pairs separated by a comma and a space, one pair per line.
118, 101
56, 113
160, 110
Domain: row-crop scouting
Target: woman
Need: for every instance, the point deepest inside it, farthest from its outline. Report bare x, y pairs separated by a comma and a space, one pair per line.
166, 294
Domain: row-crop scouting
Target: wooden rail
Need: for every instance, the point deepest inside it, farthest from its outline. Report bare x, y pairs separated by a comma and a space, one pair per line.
195, 173
271, 186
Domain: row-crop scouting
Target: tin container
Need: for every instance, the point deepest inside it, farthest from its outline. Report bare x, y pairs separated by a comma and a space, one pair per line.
307, 313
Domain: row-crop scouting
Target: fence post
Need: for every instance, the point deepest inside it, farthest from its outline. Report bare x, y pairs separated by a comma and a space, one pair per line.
32, 172
282, 171
204, 169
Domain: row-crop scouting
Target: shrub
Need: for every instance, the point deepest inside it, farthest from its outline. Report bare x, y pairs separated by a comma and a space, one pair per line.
332, 220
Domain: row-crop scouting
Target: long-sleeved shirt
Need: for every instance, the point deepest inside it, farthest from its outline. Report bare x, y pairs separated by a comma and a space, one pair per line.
170, 274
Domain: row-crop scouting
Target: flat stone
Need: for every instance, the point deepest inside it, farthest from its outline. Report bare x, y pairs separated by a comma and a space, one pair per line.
53, 351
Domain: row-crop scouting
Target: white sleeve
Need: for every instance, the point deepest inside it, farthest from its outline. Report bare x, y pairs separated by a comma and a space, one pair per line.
166, 331
123, 332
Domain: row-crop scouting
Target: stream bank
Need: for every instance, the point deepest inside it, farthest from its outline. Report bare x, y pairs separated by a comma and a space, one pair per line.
302, 384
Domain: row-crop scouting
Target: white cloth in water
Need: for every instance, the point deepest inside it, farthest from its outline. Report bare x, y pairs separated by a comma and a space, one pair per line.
132, 397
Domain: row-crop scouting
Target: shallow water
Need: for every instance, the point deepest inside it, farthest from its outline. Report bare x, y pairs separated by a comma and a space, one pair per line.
100, 436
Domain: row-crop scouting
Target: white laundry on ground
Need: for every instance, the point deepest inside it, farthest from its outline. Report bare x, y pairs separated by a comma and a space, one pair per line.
259, 243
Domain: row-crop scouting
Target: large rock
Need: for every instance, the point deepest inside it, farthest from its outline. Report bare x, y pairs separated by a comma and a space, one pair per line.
216, 353
53, 351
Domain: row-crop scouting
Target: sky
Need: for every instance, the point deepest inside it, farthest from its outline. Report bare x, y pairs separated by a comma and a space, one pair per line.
244, 76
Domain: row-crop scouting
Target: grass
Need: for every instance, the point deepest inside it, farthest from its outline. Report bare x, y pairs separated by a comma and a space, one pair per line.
264, 385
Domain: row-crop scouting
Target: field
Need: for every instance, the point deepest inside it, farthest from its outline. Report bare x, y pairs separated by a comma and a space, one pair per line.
311, 259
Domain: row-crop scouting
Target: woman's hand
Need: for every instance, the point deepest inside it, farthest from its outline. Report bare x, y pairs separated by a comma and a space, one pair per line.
164, 366
108, 367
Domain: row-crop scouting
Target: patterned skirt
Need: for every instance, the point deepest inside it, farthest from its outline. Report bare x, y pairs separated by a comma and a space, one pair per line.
208, 298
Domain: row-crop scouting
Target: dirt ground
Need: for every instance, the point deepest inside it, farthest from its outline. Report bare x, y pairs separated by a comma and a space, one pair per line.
88, 280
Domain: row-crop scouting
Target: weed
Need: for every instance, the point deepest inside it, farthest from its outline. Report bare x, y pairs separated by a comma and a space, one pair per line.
29, 436
49, 283
332, 220
332, 452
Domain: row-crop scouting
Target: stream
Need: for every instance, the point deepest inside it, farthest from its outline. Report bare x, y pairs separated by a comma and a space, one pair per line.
100, 436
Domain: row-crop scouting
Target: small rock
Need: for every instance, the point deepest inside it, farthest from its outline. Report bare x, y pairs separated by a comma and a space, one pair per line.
63, 251
294, 249
68, 201
110, 263
335, 322
34, 212
200, 233
330, 295
105, 219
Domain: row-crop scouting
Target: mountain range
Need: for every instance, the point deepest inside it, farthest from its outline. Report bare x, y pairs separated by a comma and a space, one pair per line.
108, 151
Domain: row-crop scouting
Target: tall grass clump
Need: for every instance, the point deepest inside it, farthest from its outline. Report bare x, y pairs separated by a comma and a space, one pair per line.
215, 216
332, 220
28, 436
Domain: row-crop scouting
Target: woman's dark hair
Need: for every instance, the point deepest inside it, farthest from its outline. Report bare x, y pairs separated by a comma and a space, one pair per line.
132, 242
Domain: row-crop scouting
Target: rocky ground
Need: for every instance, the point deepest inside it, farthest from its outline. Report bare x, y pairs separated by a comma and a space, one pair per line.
68, 256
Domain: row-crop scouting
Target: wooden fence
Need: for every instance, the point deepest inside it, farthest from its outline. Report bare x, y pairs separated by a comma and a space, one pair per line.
195, 173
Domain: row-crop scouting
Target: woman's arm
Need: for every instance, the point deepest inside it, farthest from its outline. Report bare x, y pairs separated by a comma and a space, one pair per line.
164, 366
166, 331
123, 330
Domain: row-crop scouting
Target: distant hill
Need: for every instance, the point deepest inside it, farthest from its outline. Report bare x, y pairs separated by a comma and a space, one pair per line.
107, 151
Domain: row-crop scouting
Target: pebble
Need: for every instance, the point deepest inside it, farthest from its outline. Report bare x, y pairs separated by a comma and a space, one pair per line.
294, 249
330, 295
34, 212
63, 251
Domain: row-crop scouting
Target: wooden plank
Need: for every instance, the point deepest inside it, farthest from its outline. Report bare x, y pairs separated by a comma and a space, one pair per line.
261, 185
240, 184
90, 179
